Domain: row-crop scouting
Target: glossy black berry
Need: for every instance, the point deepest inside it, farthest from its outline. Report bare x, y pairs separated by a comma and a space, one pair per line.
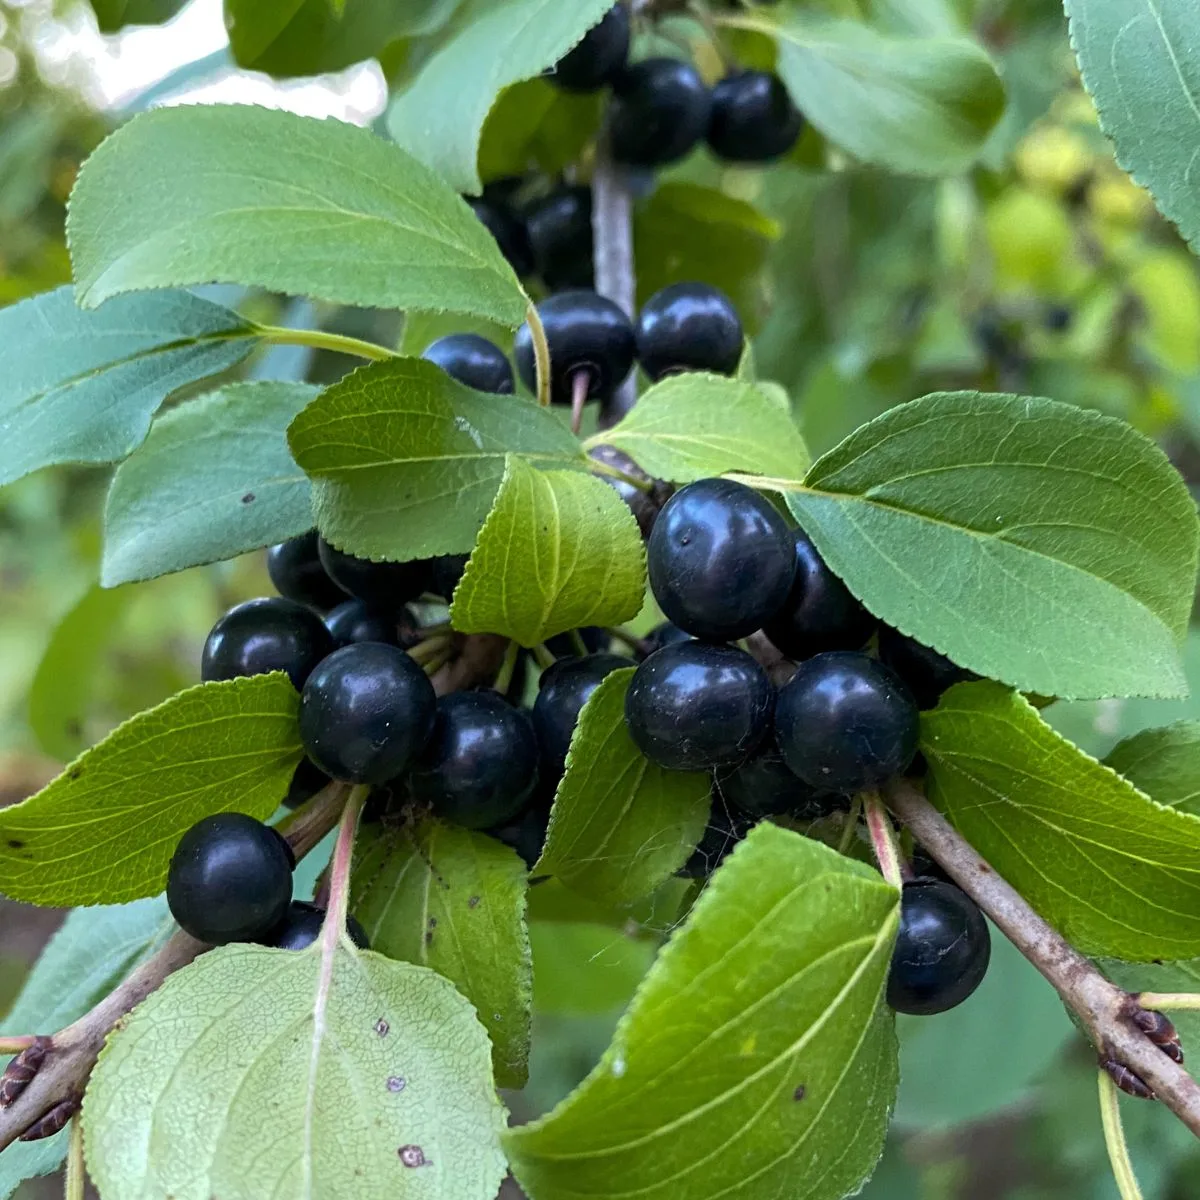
599, 58
302, 926
585, 332
355, 621
764, 786
230, 879
666, 634
473, 361
753, 118
383, 585
720, 560
644, 504
660, 110
509, 232
560, 232
942, 949
594, 639
307, 781
726, 827
366, 712
260, 636
526, 834
445, 573
689, 327
820, 613
927, 673
846, 722
480, 765
1057, 318
564, 689
296, 571
696, 705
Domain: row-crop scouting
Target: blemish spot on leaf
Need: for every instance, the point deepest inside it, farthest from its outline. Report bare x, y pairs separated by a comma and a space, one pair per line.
382, 1027
249, 498
473, 902
16, 844
413, 1156
396, 1084
799, 1093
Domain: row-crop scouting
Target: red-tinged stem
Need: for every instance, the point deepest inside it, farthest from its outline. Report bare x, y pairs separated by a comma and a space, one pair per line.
581, 384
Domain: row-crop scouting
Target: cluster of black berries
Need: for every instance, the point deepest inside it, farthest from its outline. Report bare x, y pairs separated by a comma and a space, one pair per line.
723, 564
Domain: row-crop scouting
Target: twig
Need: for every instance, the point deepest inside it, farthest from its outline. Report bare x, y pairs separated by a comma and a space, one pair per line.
1106, 1011
72, 1053
612, 237
1114, 1139
479, 657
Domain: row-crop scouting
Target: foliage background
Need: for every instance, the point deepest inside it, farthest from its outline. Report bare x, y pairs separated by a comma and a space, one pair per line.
1044, 271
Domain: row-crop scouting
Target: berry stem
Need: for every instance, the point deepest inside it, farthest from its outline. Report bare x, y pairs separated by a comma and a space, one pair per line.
578, 643
305, 827
438, 659
636, 644
319, 340
429, 649
850, 829
581, 384
507, 667
1114, 1139
76, 1174
883, 838
339, 870
15, 1045
544, 655
603, 468
1166, 1001
541, 353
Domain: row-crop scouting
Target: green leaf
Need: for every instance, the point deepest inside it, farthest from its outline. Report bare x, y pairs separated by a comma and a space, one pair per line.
1032, 542
756, 1058
559, 550
114, 15
923, 106
283, 1073
695, 425
237, 194
406, 462
453, 900
81, 387
440, 116
105, 830
66, 676
1138, 63
93, 950
1114, 872
214, 479
1163, 763
621, 825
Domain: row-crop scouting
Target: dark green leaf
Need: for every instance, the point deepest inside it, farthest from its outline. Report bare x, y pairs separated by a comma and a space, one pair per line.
581, 968
213, 480
114, 15
82, 386
237, 194
756, 1058
1163, 763
452, 900
1114, 872
105, 829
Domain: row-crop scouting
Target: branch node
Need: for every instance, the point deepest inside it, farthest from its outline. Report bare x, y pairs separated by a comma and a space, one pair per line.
1125, 1079
20, 1073
54, 1121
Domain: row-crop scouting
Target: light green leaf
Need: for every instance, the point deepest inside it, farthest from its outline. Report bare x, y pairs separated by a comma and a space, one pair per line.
1032, 542
214, 479
1139, 64
923, 106
283, 1073
621, 825
1114, 872
104, 830
81, 387
695, 425
756, 1059
406, 462
453, 900
93, 950
66, 676
559, 550
439, 117
114, 15
237, 194
1163, 763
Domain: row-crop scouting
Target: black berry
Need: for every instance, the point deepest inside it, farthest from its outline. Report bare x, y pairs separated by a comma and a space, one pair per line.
585, 332
296, 571
564, 689
302, 926
480, 764
645, 505
307, 781
660, 110
764, 786
265, 635
355, 621
942, 949
230, 879
1057, 318
560, 232
509, 232
527, 834
366, 712
689, 327
473, 361
383, 585
445, 573
666, 634
695, 705
927, 673
846, 722
597, 59
594, 639
720, 559
726, 827
820, 613
753, 118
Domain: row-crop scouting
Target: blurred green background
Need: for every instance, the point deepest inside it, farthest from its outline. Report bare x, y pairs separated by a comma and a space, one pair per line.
1044, 271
